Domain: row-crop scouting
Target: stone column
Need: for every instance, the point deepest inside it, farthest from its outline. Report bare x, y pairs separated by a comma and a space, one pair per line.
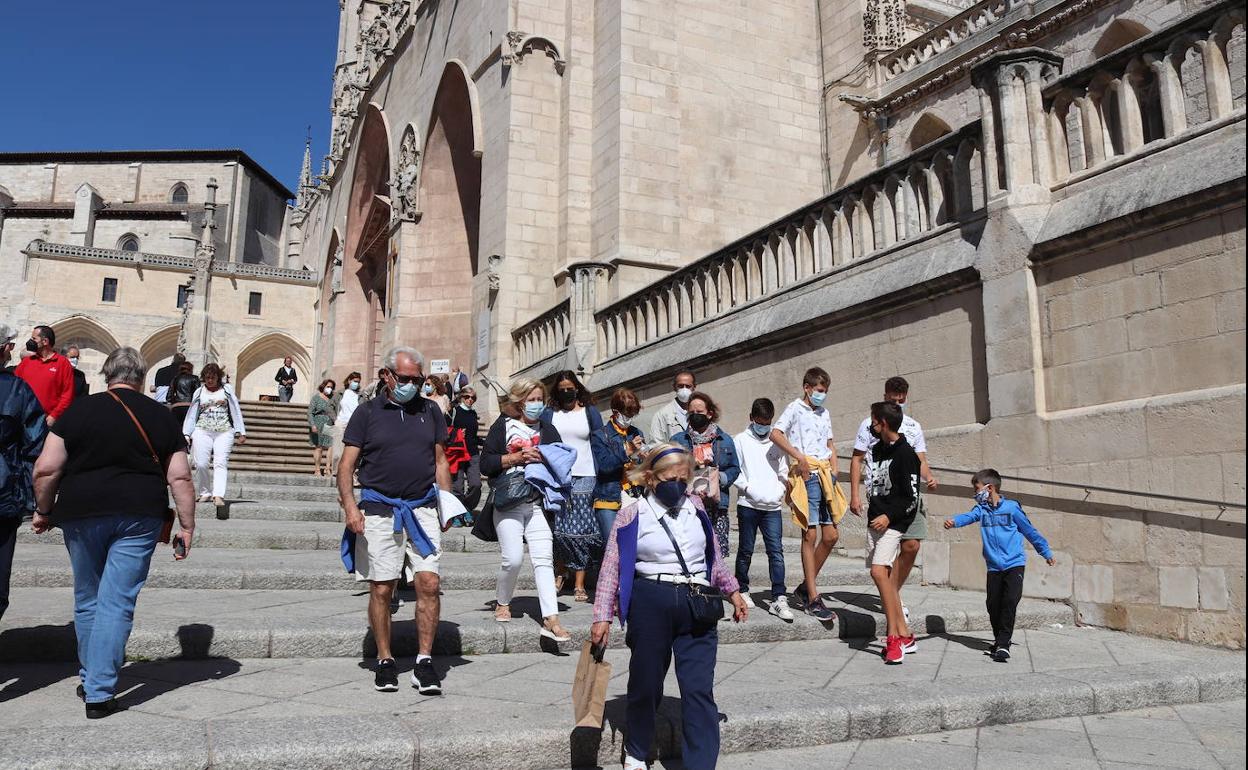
587, 290
1016, 132
196, 324
86, 202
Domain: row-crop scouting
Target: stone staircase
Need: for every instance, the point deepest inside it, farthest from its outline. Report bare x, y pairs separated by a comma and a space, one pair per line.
277, 439
257, 649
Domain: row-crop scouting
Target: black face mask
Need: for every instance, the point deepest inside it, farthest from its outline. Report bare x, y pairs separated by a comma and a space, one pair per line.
874, 432
32, 346
565, 397
699, 421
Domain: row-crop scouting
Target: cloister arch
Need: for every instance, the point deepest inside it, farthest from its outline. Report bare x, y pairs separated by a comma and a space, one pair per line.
266, 352
1120, 33
927, 129
93, 340
159, 347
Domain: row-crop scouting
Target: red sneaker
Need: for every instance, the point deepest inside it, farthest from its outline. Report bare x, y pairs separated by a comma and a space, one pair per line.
909, 645
893, 654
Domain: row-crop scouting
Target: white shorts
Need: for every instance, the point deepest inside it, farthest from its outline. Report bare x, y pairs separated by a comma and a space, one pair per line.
882, 547
381, 554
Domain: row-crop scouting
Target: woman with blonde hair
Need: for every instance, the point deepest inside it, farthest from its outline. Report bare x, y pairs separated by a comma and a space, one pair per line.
512, 444
661, 567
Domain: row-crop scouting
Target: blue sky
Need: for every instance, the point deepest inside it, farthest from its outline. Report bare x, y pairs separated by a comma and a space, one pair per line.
156, 74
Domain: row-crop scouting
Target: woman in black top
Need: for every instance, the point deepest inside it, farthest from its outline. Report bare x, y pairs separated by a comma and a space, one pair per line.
467, 481
104, 478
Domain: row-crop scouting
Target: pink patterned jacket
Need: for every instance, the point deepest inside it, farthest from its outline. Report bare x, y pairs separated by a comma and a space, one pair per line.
615, 579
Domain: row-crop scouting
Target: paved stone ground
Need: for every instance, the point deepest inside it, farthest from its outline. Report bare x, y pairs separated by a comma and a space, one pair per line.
1198, 736
768, 692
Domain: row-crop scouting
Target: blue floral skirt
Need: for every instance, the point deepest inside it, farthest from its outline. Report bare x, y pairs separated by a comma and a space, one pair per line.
577, 539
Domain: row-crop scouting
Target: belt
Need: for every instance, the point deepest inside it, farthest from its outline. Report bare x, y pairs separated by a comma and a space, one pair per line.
697, 579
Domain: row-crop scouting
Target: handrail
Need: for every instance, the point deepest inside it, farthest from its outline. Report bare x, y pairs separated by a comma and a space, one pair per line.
1089, 488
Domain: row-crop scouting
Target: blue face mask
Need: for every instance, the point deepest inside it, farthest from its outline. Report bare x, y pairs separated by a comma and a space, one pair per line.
983, 496
817, 398
354, 385
404, 392
670, 493
762, 431
534, 409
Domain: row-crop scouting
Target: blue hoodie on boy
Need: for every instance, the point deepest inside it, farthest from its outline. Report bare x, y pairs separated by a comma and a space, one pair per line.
1003, 529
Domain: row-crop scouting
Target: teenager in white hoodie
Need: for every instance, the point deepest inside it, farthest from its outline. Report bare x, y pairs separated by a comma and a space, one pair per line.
760, 501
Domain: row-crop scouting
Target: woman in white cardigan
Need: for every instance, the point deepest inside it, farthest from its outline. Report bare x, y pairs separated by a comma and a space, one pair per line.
212, 425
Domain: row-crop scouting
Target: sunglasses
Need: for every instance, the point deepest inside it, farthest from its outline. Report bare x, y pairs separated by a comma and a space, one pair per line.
468, 398
404, 379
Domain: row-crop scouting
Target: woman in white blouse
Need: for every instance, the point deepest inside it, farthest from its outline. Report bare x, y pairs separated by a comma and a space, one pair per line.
661, 548
212, 426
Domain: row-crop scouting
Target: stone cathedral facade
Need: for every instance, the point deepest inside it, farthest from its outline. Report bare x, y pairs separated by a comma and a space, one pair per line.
1032, 210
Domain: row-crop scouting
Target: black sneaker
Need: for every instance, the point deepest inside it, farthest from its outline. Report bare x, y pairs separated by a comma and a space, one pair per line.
425, 679
799, 598
387, 679
1001, 655
82, 693
818, 610
103, 709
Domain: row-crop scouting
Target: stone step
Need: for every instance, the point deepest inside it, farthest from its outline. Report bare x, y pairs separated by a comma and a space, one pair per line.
277, 478
272, 492
279, 466
513, 711
194, 623
231, 568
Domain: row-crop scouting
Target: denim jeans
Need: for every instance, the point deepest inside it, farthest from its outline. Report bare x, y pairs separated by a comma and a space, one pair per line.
817, 511
606, 522
749, 520
110, 556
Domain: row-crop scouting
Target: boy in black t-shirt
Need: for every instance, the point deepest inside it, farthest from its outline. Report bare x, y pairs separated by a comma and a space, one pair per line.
892, 502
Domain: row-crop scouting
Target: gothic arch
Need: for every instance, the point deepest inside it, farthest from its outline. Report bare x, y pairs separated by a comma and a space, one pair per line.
158, 348
1120, 33
270, 347
85, 332
927, 129
360, 313
456, 73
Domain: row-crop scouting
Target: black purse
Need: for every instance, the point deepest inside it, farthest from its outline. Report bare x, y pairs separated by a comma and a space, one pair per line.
706, 603
483, 528
512, 488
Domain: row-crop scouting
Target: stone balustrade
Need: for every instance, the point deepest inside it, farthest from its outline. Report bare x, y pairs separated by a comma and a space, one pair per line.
943, 37
927, 191
142, 259
544, 336
1189, 75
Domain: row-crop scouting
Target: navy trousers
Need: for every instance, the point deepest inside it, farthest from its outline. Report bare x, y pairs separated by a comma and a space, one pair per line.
660, 626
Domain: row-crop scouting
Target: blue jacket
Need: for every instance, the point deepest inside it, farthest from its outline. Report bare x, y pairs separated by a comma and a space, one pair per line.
553, 476
1002, 530
725, 460
609, 458
22, 431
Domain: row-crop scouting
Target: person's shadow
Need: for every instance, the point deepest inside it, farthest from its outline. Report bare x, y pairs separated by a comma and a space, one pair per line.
586, 744
138, 682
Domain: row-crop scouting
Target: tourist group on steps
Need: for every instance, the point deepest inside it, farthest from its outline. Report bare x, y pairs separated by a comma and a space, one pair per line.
635, 522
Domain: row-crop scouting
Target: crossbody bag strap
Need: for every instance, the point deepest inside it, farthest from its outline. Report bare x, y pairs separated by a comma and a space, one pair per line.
139, 426
684, 567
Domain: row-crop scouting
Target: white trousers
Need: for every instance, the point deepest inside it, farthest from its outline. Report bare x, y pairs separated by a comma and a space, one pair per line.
516, 525
212, 454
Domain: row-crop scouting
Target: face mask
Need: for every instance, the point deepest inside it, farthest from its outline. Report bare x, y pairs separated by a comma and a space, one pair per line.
684, 394
983, 496
670, 493
566, 397
874, 432
817, 398
329, 391
699, 421
427, 389
74, 362
464, 406
353, 385
32, 346
533, 409
904, 408
404, 392
762, 431
623, 420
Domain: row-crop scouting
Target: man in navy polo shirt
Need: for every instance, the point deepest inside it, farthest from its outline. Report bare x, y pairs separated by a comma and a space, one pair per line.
399, 445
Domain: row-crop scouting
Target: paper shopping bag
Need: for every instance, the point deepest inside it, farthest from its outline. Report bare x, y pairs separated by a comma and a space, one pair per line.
589, 689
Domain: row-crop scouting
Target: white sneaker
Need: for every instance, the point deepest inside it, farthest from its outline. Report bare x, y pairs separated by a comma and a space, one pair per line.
905, 613
780, 608
633, 764
749, 600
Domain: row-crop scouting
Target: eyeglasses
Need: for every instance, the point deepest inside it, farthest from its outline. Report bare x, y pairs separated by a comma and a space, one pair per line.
468, 398
404, 379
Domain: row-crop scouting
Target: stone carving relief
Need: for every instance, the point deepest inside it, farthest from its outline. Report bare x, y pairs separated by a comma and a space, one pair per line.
406, 173
520, 44
335, 281
884, 24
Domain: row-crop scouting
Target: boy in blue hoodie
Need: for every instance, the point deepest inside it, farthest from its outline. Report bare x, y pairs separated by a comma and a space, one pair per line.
1002, 526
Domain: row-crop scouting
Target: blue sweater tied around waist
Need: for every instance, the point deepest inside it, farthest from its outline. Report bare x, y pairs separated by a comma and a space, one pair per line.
404, 521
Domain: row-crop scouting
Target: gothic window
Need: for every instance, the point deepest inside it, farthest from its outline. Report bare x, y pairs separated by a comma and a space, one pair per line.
183, 291
128, 242
178, 194
254, 303
109, 293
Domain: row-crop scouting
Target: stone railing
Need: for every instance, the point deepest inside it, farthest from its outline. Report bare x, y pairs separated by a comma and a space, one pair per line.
931, 189
142, 259
941, 38
543, 337
1159, 87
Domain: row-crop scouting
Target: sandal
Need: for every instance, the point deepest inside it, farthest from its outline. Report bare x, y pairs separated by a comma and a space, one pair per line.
502, 613
560, 579
579, 595
555, 631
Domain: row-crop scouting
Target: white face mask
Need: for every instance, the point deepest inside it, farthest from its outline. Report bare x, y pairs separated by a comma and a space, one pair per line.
329, 391
684, 394
73, 361
623, 420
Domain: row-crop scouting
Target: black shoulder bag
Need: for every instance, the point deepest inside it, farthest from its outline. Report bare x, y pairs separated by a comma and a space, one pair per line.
706, 603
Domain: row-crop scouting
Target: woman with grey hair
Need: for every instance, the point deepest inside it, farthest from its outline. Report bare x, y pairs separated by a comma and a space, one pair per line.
511, 444
104, 478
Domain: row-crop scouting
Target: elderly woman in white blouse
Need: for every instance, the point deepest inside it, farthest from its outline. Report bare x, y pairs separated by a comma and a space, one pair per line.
661, 556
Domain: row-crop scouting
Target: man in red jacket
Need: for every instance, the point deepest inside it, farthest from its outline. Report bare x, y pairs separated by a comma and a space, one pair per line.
48, 373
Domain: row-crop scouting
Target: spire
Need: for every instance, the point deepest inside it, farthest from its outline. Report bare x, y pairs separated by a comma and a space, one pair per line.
303, 197
207, 242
